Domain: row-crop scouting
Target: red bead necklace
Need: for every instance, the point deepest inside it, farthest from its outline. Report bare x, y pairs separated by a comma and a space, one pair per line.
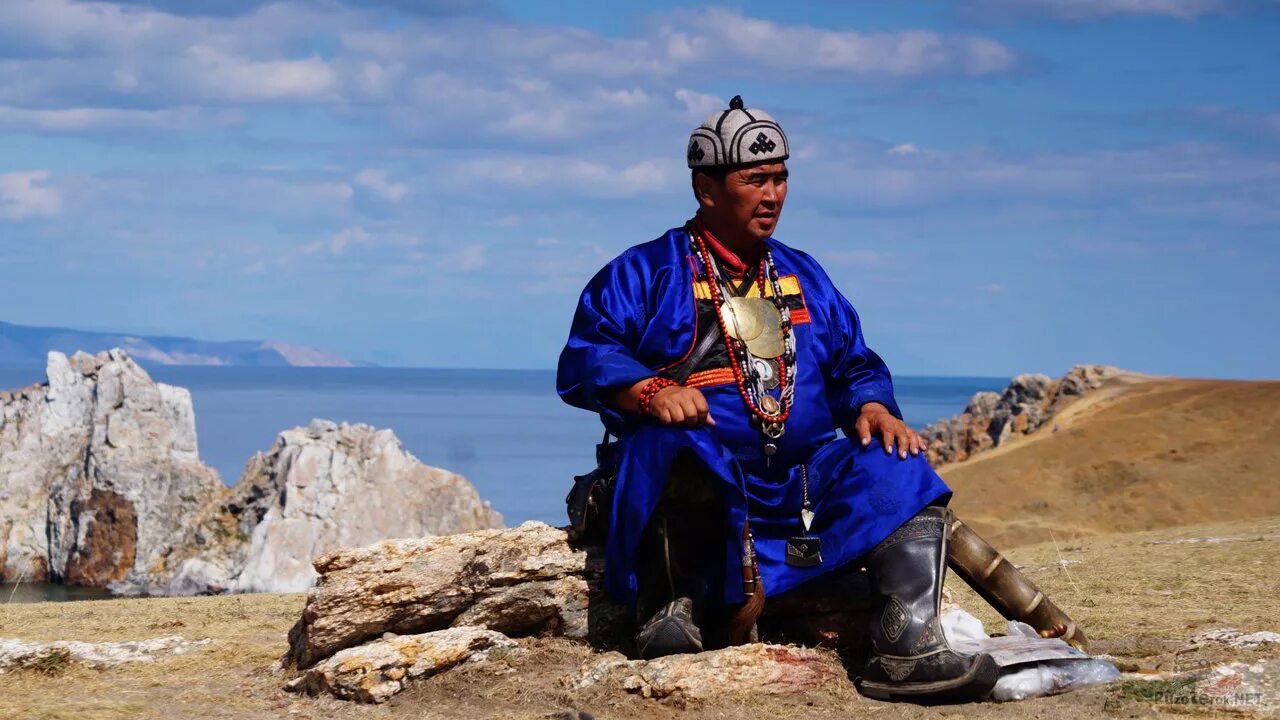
739, 363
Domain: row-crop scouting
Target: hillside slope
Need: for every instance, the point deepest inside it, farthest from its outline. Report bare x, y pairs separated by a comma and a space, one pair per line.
1129, 457
27, 344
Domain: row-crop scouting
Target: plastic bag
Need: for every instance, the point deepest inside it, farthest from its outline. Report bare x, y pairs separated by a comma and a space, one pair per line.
1051, 677
1030, 666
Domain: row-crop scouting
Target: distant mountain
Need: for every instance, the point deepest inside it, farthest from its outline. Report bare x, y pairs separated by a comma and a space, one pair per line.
27, 344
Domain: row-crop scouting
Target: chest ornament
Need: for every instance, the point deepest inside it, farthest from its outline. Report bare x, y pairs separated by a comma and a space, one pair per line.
758, 334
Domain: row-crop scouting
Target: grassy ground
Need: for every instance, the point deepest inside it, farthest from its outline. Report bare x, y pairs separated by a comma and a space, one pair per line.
1138, 601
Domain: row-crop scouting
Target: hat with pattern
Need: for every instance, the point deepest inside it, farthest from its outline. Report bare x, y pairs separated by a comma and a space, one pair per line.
737, 136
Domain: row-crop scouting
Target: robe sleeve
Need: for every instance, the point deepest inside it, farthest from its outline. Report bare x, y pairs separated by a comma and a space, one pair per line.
599, 357
857, 375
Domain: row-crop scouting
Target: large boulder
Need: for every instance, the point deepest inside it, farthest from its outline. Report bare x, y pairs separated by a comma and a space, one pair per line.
329, 486
519, 581
100, 476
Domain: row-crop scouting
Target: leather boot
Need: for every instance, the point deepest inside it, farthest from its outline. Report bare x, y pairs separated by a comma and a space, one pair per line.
910, 658
676, 557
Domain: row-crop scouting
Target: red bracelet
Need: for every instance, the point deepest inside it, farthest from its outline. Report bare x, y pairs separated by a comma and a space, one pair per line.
651, 390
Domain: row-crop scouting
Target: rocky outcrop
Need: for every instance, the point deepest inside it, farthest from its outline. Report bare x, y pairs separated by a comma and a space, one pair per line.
329, 486
101, 484
518, 581
1026, 405
100, 477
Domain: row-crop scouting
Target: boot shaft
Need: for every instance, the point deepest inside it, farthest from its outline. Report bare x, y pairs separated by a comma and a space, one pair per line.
907, 569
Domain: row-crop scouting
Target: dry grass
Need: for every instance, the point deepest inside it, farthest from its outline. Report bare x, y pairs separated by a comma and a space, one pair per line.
1119, 586
1128, 458
1136, 600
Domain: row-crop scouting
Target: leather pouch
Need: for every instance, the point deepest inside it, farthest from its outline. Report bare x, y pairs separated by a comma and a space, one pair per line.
590, 500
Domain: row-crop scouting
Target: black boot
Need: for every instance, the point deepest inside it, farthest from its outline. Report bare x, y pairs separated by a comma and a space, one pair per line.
910, 658
676, 556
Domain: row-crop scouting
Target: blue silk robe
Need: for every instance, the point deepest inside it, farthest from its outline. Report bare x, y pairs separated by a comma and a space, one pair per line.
641, 316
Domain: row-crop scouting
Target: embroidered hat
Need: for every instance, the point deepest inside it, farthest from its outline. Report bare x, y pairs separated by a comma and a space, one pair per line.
737, 136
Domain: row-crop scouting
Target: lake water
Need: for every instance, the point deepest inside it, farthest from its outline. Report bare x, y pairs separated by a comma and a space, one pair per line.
505, 430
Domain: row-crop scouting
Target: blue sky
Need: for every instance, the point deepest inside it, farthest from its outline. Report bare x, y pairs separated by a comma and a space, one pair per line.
999, 186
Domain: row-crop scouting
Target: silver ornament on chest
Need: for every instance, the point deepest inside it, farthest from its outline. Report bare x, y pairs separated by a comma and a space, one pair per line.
767, 371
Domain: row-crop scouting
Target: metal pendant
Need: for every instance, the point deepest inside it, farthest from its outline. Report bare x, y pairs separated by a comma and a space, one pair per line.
757, 323
767, 371
769, 405
804, 551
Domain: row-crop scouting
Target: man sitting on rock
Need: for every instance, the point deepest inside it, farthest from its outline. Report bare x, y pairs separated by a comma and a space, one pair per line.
726, 361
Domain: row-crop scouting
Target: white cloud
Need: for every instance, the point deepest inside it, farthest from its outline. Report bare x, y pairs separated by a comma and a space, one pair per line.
569, 175
24, 195
353, 237
699, 105
228, 76
377, 182
904, 149
728, 38
257, 267
466, 257
467, 77
1095, 9
1217, 179
88, 119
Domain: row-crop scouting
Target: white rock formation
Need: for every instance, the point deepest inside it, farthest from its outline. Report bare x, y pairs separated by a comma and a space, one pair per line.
330, 486
101, 484
100, 475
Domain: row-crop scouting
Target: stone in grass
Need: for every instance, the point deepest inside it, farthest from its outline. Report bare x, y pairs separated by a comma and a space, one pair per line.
16, 653
748, 669
373, 672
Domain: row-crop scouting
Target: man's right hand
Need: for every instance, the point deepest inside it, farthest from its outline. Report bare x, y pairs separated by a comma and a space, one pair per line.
675, 405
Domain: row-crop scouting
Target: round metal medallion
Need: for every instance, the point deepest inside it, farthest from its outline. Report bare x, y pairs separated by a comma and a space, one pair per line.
769, 404
756, 322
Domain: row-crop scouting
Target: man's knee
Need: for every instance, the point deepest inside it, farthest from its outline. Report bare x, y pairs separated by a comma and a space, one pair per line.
689, 481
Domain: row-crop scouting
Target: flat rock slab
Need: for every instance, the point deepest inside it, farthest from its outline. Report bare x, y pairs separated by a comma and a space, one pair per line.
1231, 637
748, 669
1245, 686
373, 672
517, 581
15, 653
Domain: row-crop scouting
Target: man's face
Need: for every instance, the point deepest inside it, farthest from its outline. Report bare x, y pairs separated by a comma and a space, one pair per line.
749, 198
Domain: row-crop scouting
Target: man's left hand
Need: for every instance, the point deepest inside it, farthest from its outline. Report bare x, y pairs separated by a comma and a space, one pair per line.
876, 419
